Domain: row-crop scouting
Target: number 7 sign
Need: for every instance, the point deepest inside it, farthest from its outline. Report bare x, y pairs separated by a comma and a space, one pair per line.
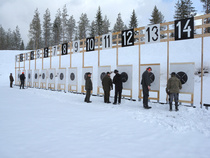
184, 28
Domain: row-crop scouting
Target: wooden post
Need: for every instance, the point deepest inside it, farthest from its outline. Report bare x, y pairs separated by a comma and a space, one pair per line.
71, 53
42, 59
201, 101
98, 50
83, 60
139, 64
60, 46
167, 58
50, 57
117, 50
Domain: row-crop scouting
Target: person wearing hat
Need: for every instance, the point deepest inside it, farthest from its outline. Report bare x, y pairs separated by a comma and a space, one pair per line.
117, 80
146, 83
107, 87
88, 87
11, 80
173, 87
22, 80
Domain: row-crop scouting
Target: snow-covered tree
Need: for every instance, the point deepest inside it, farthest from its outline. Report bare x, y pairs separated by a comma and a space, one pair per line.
57, 28
106, 25
156, 17
47, 29
22, 46
133, 21
119, 25
71, 28
99, 22
83, 26
93, 29
206, 7
64, 24
2, 38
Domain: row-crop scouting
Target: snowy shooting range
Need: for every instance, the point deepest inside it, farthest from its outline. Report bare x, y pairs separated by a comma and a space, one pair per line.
131, 43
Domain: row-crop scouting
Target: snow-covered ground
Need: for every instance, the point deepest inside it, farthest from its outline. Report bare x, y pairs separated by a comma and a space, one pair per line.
39, 123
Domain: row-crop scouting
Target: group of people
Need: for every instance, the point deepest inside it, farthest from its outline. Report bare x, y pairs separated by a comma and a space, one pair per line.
172, 89
22, 80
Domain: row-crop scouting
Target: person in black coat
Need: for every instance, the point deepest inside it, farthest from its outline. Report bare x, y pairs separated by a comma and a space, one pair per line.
11, 80
145, 82
117, 80
107, 87
22, 80
88, 87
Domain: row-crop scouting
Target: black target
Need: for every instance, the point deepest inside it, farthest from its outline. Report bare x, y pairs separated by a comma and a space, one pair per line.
51, 76
182, 76
151, 77
29, 76
124, 76
36, 75
61, 76
72, 76
43, 76
103, 74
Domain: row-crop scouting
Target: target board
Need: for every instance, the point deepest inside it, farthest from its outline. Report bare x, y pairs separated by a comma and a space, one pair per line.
84, 74
72, 76
154, 75
21, 57
36, 75
44, 76
126, 73
102, 71
185, 72
29, 76
51, 74
61, 74
18, 73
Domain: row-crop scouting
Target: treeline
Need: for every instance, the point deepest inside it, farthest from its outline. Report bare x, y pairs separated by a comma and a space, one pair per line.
64, 28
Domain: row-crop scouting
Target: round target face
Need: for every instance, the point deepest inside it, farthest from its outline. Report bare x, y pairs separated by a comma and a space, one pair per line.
151, 77
182, 76
124, 76
51, 76
43, 76
72, 76
36, 75
61, 76
29, 76
103, 74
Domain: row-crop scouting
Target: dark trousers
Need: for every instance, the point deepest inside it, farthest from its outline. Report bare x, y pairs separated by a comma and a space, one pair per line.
173, 96
145, 95
87, 97
106, 96
117, 92
22, 84
11, 84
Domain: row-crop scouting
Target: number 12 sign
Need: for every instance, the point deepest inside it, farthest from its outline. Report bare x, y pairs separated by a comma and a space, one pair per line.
184, 29
127, 38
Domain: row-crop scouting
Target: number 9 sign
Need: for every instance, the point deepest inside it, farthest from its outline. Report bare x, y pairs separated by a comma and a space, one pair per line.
152, 34
76, 46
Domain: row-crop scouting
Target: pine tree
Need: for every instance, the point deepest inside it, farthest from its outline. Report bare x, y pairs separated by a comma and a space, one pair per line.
71, 28
22, 47
47, 28
30, 45
17, 39
64, 24
83, 26
35, 31
57, 29
93, 29
119, 25
99, 22
133, 21
9, 40
2, 38
206, 7
106, 25
184, 9
157, 16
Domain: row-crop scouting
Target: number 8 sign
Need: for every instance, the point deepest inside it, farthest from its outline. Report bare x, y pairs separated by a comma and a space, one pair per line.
152, 33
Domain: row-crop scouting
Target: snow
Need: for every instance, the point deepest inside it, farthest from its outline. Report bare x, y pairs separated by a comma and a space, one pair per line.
43, 123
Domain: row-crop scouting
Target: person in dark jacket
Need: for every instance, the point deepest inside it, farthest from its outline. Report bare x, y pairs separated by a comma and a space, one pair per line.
22, 80
11, 80
88, 87
117, 80
107, 87
145, 82
173, 87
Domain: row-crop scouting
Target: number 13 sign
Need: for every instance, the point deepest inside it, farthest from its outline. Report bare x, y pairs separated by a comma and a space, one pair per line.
152, 33
184, 29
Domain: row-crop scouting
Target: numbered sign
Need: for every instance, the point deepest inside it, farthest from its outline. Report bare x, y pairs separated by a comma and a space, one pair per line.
38, 52
65, 49
45, 52
26, 56
152, 33
32, 55
76, 46
184, 29
107, 41
21, 57
54, 51
127, 38
90, 44
16, 58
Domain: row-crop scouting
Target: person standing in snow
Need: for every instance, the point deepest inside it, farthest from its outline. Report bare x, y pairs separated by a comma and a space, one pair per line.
173, 87
107, 87
11, 80
22, 80
88, 87
117, 80
145, 82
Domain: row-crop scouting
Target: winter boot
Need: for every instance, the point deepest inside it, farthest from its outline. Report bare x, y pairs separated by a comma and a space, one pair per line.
176, 106
170, 106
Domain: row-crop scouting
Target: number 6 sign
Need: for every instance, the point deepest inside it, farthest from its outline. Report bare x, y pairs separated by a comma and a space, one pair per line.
152, 33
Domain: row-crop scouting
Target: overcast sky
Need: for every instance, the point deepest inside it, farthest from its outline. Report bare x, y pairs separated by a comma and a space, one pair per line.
21, 12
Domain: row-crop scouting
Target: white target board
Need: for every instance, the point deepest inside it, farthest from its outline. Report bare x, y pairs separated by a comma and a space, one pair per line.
126, 73
72, 76
18, 73
84, 73
102, 71
185, 72
44, 76
36, 75
29, 76
154, 75
51, 74
61, 74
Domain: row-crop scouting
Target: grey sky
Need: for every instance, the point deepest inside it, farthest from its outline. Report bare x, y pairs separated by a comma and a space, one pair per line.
21, 12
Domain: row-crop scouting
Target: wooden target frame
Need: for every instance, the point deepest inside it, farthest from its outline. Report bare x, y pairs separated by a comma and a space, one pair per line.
29, 84
51, 86
101, 87
61, 86
36, 84
83, 86
73, 88
43, 85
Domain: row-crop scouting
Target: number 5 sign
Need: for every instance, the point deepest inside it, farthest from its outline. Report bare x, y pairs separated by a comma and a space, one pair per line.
184, 29
152, 33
